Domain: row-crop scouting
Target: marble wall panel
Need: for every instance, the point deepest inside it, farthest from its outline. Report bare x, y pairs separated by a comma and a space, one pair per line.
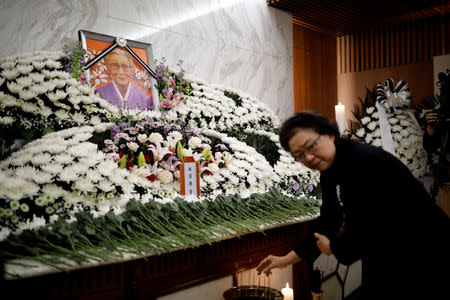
242, 44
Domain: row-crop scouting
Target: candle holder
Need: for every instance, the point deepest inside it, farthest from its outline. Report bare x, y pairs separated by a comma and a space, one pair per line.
253, 292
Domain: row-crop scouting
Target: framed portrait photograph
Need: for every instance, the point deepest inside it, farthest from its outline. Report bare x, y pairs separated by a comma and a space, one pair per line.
120, 70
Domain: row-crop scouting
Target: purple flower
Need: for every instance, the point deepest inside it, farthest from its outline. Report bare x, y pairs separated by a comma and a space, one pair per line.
115, 130
296, 186
167, 127
310, 187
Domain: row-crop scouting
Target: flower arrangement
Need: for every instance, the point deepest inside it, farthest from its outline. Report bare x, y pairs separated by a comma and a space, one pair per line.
37, 96
385, 118
100, 183
172, 87
154, 150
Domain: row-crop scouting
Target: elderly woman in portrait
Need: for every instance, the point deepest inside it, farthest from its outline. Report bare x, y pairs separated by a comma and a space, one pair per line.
373, 209
121, 91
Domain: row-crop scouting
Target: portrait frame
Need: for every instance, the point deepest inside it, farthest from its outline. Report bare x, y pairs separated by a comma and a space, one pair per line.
99, 45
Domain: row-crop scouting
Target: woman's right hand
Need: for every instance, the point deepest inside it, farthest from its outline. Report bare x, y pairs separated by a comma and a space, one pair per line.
280, 262
431, 116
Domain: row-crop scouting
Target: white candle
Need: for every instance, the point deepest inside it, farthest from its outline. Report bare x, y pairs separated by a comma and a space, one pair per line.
287, 292
340, 116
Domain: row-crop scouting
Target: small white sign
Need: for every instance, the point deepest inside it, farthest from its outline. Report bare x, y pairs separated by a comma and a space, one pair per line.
190, 179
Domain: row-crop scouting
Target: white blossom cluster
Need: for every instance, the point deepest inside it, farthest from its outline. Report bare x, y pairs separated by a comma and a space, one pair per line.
296, 179
247, 173
61, 174
217, 111
64, 172
40, 94
406, 135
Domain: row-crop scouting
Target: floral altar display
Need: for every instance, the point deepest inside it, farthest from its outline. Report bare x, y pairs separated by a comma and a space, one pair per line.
95, 183
386, 119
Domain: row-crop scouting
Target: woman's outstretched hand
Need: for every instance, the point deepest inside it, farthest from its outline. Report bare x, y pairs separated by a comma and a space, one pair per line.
323, 243
279, 262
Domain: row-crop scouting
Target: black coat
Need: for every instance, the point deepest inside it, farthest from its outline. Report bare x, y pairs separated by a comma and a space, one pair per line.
385, 217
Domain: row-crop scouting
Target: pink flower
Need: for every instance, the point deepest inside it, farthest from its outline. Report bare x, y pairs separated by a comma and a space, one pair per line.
177, 97
82, 78
171, 82
169, 94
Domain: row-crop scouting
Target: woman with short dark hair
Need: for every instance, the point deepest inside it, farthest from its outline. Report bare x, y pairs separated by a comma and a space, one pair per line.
373, 209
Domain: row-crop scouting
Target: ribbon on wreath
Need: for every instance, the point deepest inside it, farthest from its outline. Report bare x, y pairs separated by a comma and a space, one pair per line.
391, 97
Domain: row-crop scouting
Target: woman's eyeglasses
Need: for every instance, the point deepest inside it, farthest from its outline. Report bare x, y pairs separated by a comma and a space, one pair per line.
309, 149
116, 67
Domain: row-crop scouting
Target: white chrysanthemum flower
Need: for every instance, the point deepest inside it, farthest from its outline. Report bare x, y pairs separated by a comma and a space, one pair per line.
6, 120
73, 198
79, 118
68, 175
393, 121
41, 159
377, 142
84, 184
404, 133
105, 185
37, 77
26, 172
85, 89
372, 125
52, 168
27, 94
361, 132
74, 99
377, 133
62, 114
10, 74
60, 94
87, 99
365, 120
24, 69
45, 111
95, 120
38, 65
72, 91
28, 107
14, 87
8, 65
405, 123
63, 158
368, 138
53, 64
9, 100
82, 137
93, 175
24, 81
117, 176
38, 89
49, 85
370, 110
42, 177
82, 149
53, 191
4, 233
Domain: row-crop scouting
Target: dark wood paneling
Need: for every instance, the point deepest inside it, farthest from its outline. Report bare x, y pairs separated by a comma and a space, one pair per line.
314, 66
343, 17
160, 275
394, 44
